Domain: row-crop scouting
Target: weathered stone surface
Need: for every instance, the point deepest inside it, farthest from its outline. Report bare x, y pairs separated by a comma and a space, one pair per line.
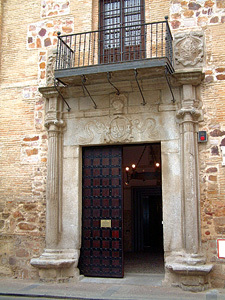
32, 151
175, 24
17, 214
42, 32
12, 261
209, 3
2, 223
188, 49
67, 29
47, 42
211, 170
202, 21
213, 178
220, 70
209, 79
188, 13
26, 226
221, 77
31, 139
30, 206
194, 6
214, 20
215, 150
217, 132
22, 253
220, 3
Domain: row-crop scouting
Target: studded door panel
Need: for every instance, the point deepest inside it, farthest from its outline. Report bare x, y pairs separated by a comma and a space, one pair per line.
102, 249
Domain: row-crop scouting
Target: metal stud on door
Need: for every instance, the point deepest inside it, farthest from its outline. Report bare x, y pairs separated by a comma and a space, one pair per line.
102, 249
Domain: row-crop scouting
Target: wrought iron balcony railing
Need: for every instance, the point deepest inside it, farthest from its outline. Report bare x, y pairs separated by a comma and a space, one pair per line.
147, 41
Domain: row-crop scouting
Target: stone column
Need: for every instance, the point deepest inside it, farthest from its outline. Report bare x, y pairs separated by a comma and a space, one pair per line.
189, 116
53, 184
56, 262
189, 266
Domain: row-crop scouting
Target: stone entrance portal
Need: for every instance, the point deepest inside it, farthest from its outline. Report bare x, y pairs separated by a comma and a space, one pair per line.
122, 120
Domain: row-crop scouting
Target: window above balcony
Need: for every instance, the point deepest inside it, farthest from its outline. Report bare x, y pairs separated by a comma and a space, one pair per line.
124, 42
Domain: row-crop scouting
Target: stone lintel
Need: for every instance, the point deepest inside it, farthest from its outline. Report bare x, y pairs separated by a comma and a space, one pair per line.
187, 77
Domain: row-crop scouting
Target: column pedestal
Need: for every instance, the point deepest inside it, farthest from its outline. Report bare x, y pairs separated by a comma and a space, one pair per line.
57, 265
188, 271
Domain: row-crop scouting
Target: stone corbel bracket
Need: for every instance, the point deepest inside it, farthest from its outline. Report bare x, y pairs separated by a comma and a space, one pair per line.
182, 77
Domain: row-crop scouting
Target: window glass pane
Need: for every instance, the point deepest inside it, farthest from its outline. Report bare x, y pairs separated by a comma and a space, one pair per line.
117, 13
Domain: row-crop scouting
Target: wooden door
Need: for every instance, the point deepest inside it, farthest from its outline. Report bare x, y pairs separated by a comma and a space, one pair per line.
102, 213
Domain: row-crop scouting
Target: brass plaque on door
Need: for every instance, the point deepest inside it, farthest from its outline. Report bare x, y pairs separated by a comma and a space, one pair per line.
106, 223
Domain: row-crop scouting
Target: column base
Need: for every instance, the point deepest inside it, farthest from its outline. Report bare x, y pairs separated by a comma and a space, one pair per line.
190, 272
57, 265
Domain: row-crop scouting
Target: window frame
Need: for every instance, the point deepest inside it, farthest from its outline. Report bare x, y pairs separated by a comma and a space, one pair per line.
123, 42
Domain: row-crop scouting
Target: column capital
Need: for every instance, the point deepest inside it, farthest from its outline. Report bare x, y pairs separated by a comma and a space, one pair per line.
54, 124
189, 114
53, 118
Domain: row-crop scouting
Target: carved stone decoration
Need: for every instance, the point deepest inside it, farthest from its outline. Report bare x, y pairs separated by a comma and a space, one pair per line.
195, 113
51, 67
189, 49
118, 104
148, 125
90, 130
120, 129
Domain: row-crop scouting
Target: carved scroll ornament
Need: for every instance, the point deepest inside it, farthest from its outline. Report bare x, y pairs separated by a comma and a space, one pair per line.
119, 129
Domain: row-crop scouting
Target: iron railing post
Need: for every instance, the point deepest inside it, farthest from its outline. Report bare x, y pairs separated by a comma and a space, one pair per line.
169, 39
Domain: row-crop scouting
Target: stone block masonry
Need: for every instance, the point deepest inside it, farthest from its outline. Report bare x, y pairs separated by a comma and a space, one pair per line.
188, 14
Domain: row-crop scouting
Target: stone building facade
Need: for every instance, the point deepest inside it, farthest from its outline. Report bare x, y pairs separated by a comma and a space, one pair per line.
42, 141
